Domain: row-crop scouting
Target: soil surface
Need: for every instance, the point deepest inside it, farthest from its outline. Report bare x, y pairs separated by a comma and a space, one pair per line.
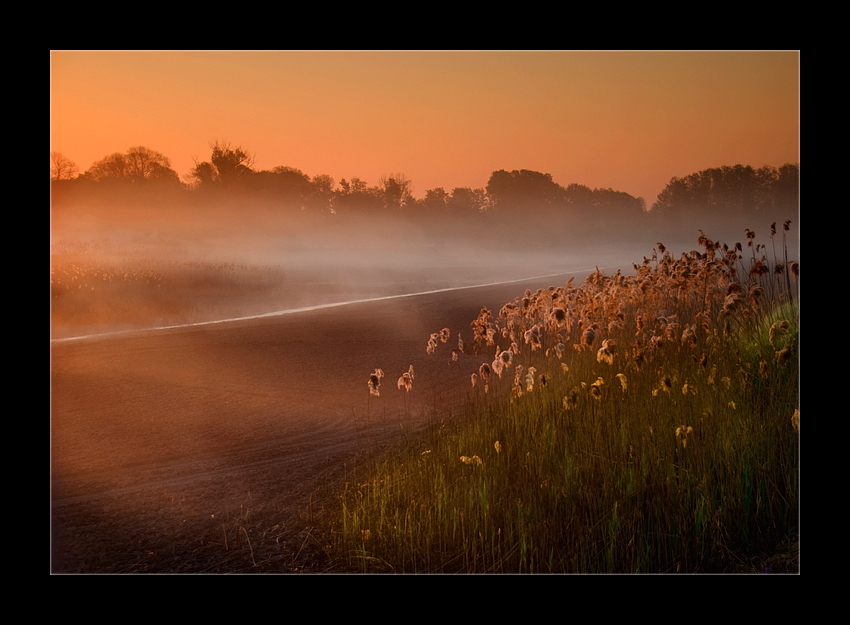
216, 448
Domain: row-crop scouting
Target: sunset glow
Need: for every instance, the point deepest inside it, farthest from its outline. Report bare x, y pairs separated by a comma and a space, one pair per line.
623, 120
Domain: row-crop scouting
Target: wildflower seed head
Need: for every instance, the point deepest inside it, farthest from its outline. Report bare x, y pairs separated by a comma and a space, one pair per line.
783, 355
623, 381
497, 367
484, 372
606, 353
689, 335
571, 401
778, 329
506, 357
405, 382
375, 383
682, 433
794, 268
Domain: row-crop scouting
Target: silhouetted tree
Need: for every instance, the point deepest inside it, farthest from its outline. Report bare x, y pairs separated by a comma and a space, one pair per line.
676, 195
62, 168
138, 165
397, 191
112, 167
228, 165
787, 186
578, 195
146, 164
231, 162
435, 201
467, 201
285, 184
354, 196
203, 174
322, 193
522, 189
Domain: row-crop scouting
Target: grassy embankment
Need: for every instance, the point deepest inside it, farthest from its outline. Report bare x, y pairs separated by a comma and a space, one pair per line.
633, 424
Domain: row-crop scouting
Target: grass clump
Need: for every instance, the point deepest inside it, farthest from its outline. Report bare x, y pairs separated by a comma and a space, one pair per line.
641, 424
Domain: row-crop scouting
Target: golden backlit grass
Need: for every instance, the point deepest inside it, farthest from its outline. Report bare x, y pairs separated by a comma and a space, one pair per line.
641, 424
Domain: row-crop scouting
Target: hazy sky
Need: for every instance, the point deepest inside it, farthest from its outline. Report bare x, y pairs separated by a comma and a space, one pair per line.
625, 120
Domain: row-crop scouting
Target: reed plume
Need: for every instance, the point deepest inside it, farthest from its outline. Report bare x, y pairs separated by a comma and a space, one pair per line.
529, 379
607, 351
497, 367
623, 381
570, 401
506, 357
682, 433
532, 337
375, 383
776, 330
431, 347
484, 372
405, 382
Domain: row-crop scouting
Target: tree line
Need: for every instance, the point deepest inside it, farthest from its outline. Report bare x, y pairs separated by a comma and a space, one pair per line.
737, 189
230, 173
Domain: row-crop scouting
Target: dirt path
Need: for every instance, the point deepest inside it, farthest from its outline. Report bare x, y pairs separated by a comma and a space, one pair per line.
213, 448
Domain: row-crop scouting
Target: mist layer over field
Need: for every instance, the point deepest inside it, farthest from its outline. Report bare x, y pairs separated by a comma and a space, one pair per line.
144, 267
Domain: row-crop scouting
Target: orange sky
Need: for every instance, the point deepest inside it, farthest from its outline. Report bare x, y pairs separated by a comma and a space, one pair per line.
625, 120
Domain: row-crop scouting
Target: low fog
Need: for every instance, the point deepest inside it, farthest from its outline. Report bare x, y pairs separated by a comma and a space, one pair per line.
139, 268
147, 266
